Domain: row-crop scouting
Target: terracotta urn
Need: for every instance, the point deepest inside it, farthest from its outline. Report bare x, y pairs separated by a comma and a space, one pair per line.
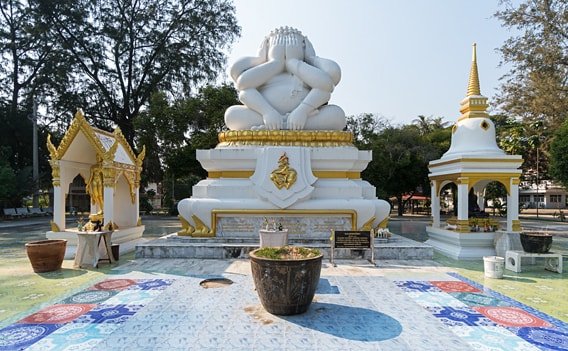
46, 255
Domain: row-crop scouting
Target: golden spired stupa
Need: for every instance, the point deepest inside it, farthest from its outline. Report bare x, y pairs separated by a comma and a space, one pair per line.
473, 161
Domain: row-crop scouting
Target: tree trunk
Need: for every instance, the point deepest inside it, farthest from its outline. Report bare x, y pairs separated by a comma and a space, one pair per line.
400, 205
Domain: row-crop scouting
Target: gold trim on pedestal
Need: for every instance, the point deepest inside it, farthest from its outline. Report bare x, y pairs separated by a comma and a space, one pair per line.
517, 225
317, 174
313, 138
54, 226
368, 225
462, 226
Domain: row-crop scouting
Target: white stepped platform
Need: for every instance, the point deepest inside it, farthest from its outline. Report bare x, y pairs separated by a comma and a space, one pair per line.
174, 246
461, 246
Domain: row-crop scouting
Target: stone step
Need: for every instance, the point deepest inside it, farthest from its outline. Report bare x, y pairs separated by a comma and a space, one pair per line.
173, 246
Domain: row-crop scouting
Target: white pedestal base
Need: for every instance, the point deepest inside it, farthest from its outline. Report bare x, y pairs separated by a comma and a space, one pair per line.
239, 192
461, 246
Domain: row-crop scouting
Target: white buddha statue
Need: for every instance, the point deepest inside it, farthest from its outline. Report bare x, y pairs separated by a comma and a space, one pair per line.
285, 87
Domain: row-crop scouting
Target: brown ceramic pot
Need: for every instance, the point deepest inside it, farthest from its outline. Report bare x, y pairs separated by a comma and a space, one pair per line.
285, 287
536, 242
46, 255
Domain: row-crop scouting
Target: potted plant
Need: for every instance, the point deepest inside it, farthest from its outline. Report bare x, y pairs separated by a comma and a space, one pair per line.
273, 235
286, 277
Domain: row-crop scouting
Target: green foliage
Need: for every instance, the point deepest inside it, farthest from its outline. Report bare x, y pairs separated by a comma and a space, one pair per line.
536, 87
287, 253
120, 53
559, 155
400, 154
173, 131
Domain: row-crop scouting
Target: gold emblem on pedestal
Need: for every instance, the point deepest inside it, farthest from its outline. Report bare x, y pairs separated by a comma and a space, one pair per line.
284, 176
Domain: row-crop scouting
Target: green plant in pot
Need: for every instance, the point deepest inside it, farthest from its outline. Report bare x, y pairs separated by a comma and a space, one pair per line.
286, 277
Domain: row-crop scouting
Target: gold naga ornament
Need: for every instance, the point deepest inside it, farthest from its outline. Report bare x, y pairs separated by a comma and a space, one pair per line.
284, 176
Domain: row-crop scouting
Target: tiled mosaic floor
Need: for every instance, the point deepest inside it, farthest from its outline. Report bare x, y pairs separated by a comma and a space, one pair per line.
376, 310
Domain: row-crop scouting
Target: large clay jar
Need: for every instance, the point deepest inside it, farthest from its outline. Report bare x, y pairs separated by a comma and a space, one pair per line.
285, 287
46, 255
536, 242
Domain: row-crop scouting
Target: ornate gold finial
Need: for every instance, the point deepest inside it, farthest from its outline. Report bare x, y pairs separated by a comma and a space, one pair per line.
53, 154
79, 113
473, 86
141, 156
284, 175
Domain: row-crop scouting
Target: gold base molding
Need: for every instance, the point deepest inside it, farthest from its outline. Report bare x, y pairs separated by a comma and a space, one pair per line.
517, 225
312, 138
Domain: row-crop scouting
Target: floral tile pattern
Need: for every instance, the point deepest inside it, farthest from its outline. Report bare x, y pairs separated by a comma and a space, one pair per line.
478, 299
491, 321
20, 336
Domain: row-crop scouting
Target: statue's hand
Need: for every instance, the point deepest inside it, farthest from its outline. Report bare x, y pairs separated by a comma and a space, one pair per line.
273, 120
297, 119
277, 49
310, 53
263, 50
294, 48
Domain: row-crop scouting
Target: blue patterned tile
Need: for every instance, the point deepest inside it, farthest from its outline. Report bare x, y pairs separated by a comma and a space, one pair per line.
478, 299
545, 338
75, 336
463, 316
435, 299
89, 297
109, 314
151, 284
133, 297
492, 338
20, 336
411, 285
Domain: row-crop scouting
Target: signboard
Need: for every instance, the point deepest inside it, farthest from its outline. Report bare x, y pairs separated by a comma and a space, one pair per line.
352, 239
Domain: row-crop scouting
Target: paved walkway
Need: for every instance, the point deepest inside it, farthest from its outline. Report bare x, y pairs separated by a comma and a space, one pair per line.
401, 305
143, 304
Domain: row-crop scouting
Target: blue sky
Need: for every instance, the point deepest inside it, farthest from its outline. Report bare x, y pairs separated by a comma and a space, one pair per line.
399, 59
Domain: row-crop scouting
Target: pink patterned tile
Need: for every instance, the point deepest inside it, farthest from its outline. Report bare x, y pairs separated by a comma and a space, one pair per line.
58, 314
511, 317
114, 284
454, 286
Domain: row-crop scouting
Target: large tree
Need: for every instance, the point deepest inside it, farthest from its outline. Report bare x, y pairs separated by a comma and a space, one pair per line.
122, 51
559, 155
536, 88
400, 155
26, 51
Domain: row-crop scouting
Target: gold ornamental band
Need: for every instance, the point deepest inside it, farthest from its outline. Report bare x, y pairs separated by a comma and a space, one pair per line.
317, 174
313, 138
